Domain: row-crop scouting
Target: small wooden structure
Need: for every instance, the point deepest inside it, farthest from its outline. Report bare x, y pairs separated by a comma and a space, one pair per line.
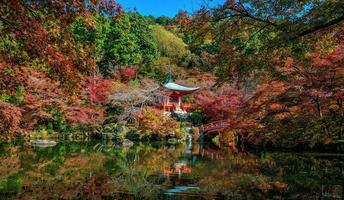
214, 128
217, 128
174, 93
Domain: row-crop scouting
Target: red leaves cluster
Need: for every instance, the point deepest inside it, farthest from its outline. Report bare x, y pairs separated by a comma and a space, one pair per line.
11, 76
264, 97
219, 107
315, 85
56, 55
334, 60
51, 43
312, 87
10, 117
97, 89
63, 68
78, 115
48, 67
126, 74
42, 94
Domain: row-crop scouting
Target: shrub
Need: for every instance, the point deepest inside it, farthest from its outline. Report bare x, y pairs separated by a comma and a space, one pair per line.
196, 118
153, 121
134, 83
58, 122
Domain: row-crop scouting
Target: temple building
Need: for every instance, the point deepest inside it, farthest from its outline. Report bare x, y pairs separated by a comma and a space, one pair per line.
174, 93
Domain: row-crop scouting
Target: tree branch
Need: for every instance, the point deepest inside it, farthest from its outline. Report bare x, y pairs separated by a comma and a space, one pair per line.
318, 27
245, 13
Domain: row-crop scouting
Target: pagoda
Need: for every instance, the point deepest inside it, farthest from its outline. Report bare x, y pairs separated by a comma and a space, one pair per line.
174, 93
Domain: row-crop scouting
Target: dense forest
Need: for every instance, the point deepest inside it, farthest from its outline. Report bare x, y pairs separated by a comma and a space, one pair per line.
273, 70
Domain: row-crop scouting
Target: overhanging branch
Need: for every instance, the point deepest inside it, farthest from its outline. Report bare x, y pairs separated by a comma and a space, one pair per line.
318, 27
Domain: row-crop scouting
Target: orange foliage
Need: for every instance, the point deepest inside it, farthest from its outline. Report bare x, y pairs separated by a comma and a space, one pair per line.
275, 106
154, 121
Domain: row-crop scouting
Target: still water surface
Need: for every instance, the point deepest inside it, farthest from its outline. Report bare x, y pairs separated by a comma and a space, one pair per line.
103, 170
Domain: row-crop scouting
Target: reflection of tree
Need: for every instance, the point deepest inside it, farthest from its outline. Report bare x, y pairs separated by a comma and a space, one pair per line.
284, 175
234, 175
306, 175
86, 171
10, 178
138, 171
77, 170
157, 160
59, 172
135, 181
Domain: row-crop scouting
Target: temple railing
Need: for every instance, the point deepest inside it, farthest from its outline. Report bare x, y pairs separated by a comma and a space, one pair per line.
173, 106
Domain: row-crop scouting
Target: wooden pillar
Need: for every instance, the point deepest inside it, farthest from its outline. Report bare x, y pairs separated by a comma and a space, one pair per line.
179, 101
167, 102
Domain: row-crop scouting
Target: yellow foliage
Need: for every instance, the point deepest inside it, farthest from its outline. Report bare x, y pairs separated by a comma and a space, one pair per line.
153, 121
334, 107
169, 44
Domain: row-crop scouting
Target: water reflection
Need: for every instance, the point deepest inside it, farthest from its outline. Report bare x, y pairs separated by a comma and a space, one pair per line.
103, 170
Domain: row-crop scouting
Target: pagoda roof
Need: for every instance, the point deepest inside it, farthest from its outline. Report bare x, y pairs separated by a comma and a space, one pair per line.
176, 87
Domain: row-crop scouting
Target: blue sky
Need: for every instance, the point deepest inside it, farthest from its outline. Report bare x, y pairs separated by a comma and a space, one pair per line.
164, 7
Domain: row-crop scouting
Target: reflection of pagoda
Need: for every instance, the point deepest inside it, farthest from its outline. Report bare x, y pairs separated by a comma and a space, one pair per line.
179, 168
175, 92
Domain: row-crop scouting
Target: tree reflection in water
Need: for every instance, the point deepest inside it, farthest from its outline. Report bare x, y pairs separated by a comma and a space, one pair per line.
91, 170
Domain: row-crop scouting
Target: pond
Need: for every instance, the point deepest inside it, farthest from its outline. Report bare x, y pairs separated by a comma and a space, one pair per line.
104, 170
